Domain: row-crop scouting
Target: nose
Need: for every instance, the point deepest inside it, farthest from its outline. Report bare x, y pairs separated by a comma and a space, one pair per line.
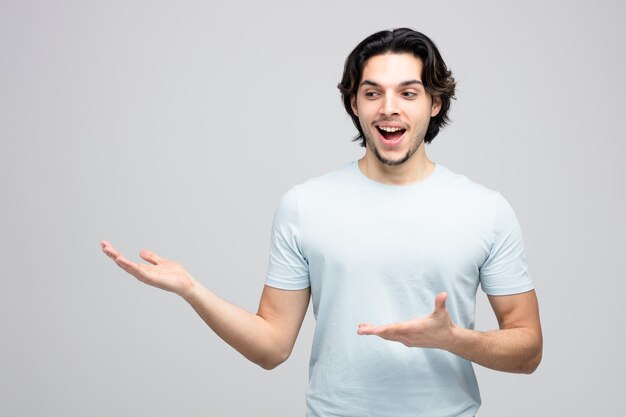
389, 105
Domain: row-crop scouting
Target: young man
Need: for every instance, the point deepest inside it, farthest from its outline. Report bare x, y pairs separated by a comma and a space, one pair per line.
383, 240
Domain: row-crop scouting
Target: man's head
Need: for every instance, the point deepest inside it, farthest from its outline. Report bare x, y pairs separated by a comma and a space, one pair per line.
436, 79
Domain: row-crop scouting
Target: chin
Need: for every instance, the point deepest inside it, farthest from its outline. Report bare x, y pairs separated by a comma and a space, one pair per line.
392, 162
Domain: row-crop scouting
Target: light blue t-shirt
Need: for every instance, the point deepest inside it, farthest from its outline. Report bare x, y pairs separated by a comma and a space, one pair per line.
379, 254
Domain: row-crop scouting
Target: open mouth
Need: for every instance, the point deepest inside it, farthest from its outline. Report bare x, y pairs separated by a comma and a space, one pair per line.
391, 135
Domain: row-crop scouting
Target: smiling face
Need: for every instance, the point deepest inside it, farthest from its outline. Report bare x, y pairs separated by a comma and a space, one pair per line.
393, 107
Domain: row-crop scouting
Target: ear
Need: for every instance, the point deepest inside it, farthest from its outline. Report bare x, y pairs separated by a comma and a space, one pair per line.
436, 107
353, 104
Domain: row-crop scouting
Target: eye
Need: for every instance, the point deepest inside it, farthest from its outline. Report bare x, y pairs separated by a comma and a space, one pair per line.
371, 94
409, 94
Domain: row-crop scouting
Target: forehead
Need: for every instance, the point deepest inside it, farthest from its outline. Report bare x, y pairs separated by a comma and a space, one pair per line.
392, 68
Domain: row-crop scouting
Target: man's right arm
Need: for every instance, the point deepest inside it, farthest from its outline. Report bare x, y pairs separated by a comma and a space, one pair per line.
265, 338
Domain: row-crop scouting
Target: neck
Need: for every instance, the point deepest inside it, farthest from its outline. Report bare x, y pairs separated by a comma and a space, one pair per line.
415, 169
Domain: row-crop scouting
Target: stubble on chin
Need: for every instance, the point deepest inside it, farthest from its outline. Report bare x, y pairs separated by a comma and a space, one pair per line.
390, 162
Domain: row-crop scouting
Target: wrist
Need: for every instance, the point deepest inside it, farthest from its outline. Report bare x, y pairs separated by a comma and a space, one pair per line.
461, 340
453, 339
190, 290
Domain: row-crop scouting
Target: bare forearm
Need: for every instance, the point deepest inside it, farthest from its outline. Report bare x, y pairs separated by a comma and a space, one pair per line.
248, 333
509, 350
265, 338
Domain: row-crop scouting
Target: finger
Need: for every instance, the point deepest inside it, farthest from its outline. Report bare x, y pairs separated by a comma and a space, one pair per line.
129, 266
109, 250
440, 302
124, 263
381, 331
388, 331
151, 257
364, 328
139, 271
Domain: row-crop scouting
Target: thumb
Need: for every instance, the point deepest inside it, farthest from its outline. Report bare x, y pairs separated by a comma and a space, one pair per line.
440, 302
151, 257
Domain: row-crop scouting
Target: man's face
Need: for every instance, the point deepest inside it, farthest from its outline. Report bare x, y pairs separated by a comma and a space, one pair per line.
393, 107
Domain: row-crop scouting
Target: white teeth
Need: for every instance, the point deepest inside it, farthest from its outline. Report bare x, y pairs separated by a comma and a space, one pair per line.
390, 129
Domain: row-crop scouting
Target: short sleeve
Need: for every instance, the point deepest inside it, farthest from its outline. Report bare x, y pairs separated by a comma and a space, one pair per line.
288, 268
505, 271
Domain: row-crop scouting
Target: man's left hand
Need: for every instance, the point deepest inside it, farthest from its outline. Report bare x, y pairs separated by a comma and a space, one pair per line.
433, 331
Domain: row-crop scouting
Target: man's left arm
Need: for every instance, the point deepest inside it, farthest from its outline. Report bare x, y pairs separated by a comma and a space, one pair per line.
515, 347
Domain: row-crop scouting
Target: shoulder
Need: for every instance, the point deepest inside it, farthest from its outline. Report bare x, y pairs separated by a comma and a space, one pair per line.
325, 185
316, 189
486, 201
465, 189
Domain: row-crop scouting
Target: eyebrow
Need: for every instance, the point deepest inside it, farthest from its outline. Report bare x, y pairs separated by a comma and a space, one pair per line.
402, 84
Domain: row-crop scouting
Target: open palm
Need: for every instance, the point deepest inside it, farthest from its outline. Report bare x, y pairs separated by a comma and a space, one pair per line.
160, 272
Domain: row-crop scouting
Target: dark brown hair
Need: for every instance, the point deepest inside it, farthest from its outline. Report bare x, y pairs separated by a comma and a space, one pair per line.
437, 78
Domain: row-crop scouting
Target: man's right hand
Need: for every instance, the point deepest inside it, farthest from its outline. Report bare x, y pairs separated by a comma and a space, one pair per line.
266, 338
160, 272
